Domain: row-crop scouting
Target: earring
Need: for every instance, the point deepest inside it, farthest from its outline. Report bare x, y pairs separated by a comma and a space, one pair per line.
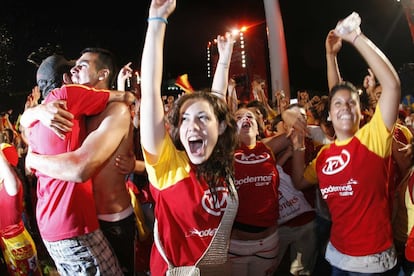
329, 118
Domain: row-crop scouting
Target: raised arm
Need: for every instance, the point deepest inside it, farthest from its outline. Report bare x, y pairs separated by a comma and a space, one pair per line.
123, 75
232, 99
121, 96
333, 45
152, 127
221, 75
384, 72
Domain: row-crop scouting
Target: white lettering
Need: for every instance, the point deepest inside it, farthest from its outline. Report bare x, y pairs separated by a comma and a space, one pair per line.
260, 180
335, 164
203, 233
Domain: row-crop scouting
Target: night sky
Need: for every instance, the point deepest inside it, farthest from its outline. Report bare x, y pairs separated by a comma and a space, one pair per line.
193, 24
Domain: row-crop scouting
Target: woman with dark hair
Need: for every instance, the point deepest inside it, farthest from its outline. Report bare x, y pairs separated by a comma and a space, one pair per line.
189, 161
353, 172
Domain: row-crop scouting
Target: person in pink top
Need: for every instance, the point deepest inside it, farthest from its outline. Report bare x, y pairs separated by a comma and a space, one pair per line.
353, 171
65, 211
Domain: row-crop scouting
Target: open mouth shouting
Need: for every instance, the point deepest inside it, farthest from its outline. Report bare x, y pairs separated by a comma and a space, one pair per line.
196, 146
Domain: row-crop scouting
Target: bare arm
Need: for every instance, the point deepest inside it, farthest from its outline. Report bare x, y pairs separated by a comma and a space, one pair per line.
99, 145
369, 83
277, 143
123, 75
152, 127
285, 156
333, 45
55, 116
121, 96
298, 162
221, 75
384, 72
232, 99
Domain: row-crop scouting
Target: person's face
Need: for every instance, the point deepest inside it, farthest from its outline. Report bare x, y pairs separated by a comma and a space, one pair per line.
85, 71
199, 129
170, 99
303, 96
259, 116
246, 123
345, 112
377, 92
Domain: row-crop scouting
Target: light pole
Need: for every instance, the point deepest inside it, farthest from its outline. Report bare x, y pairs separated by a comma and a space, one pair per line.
279, 69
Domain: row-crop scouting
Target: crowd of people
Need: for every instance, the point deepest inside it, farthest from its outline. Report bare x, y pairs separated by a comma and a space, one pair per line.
97, 180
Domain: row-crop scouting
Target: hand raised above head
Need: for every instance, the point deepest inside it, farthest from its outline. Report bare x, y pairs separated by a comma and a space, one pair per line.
349, 28
333, 43
124, 74
161, 8
225, 45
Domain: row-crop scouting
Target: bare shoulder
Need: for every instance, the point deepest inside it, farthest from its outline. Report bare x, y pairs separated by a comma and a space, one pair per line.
117, 107
121, 110
116, 114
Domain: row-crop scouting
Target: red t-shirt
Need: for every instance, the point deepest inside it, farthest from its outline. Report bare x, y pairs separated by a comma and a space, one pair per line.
354, 180
186, 214
257, 183
66, 209
11, 210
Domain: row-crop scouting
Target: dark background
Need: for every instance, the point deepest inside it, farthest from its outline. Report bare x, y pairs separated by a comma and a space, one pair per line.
120, 26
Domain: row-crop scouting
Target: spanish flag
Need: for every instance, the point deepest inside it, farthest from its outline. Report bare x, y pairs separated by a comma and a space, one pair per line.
184, 84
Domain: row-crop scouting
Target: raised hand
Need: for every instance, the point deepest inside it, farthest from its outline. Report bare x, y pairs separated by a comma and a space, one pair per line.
161, 8
124, 74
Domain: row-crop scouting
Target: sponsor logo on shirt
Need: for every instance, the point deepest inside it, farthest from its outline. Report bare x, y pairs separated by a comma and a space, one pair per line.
217, 207
242, 158
203, 233
341, 190
258, 180
335, 164
212, 207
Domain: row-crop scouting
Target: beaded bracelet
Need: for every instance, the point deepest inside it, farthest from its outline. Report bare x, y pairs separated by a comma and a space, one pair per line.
162, 19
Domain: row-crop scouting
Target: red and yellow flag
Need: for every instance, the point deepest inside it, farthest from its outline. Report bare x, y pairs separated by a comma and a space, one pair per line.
184, 84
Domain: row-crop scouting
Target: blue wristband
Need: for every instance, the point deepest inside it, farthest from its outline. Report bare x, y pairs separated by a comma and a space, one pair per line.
162, 19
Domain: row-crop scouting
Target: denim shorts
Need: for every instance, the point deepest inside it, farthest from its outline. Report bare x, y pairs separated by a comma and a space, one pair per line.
375, 263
